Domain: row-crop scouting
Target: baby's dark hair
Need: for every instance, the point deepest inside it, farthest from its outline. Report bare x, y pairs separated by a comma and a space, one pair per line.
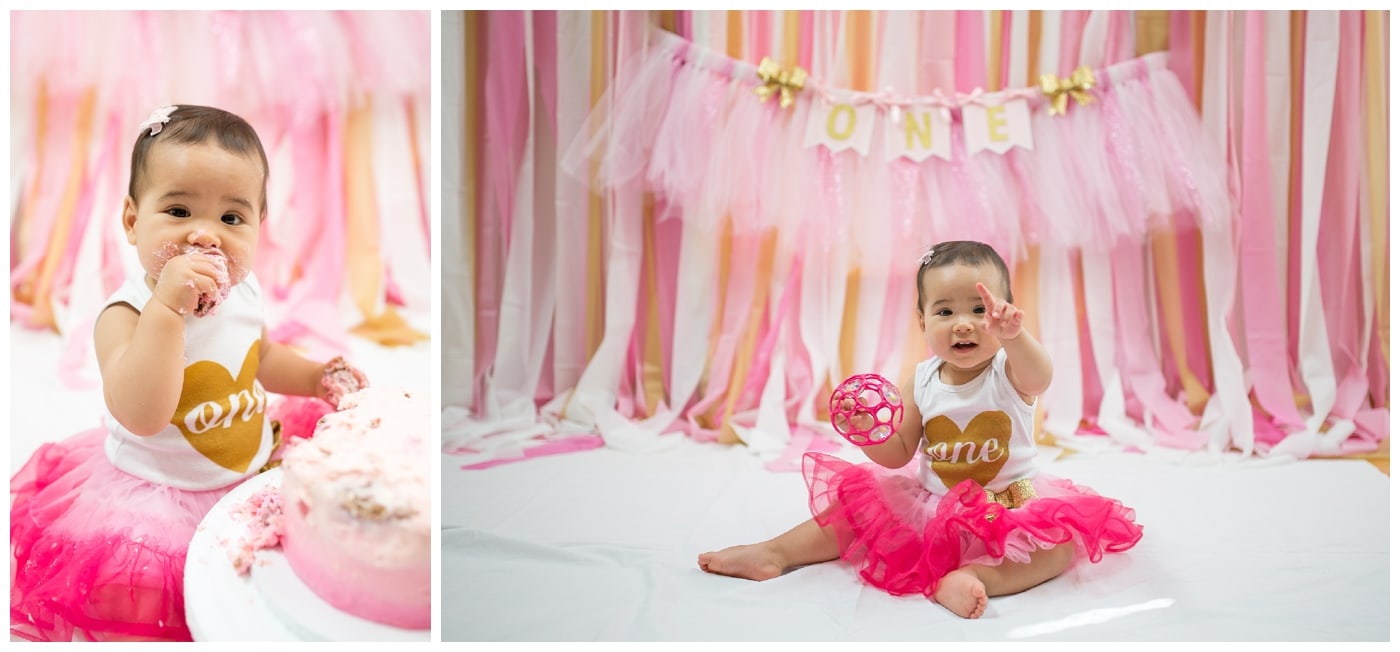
966, 252
191, 125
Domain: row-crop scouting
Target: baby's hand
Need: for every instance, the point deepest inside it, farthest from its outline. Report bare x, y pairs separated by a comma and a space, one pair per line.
1002, 320
338, 378
184, 278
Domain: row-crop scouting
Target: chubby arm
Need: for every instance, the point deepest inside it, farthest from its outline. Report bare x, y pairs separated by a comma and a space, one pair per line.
1027, 363
141, 355
282, 370
896, 451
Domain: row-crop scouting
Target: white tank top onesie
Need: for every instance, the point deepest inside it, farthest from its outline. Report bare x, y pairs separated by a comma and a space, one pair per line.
218, 435
981, 430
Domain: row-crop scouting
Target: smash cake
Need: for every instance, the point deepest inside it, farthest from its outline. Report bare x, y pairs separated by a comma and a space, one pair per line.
352, 514
355, 501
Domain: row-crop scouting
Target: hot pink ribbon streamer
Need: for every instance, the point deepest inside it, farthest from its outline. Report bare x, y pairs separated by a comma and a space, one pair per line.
502, 138
970, 61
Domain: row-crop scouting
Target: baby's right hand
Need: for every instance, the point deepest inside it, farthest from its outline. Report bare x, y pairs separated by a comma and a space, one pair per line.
183, 279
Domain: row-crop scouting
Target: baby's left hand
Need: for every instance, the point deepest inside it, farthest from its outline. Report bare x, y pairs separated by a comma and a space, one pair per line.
1002, 320
339, 378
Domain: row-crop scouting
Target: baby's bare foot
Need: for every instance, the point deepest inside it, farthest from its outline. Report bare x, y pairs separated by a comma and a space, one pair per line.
962, 593
752, 562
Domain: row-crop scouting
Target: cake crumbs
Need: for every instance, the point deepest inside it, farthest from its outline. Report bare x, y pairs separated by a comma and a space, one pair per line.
262, 515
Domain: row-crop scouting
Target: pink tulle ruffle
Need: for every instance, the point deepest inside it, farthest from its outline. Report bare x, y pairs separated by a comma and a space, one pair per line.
97, 552
684, 121
903, 539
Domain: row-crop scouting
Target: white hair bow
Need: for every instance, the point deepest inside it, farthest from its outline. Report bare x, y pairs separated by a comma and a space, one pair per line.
158, 119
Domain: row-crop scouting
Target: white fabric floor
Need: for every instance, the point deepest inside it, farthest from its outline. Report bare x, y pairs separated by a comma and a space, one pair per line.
602, 545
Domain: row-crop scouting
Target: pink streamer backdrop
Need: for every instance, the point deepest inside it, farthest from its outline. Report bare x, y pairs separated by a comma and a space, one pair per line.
754, 190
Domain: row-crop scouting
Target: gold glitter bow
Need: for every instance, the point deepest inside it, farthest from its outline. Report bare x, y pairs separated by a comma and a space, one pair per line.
1014, 495
781, 82
1059, 90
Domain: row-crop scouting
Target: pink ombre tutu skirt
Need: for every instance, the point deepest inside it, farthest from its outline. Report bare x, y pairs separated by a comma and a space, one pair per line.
903, 539
96, 551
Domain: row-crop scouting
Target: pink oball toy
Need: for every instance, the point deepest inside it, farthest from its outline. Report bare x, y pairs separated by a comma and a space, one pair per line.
866, 409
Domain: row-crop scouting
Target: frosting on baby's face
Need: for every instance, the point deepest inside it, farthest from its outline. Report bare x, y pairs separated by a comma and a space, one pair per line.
228, 273
197, 198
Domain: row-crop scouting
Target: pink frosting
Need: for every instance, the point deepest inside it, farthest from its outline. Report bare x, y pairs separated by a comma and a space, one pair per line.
208, 302
262, 514
356, 508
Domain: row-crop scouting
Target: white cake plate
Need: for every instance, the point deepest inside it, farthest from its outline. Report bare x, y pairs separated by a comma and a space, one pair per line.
270, 603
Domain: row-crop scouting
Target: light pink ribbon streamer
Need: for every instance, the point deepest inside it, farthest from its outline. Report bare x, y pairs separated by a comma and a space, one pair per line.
1339, 271
1227, 417
309, 305
1059, 327
1064, 400
1110, 411
1169, 420
93, 248
42, 221
1314, 358
937, 44
1265, 329
571, 216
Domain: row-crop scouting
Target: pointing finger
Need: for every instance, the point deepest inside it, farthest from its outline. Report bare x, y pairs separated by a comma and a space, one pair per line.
984, 293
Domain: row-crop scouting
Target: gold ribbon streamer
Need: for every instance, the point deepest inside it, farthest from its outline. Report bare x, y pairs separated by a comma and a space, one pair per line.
1059, 90
778, 81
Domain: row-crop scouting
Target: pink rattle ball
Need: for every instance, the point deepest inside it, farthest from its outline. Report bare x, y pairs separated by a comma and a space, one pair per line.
866, 409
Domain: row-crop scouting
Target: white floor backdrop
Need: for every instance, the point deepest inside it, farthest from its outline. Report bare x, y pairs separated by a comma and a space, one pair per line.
601, 545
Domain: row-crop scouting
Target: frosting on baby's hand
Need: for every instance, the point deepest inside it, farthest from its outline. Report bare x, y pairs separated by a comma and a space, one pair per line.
340, 379
208, 302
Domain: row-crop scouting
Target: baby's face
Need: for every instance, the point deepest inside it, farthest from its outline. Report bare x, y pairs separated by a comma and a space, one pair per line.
952, 314
196, 198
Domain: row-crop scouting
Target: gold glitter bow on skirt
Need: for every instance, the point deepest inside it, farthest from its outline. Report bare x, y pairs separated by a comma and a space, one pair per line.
777, 81
1014, 495
1059, 90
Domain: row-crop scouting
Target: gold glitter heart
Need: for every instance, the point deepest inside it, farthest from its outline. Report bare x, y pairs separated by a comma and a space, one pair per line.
977, 452
222, 416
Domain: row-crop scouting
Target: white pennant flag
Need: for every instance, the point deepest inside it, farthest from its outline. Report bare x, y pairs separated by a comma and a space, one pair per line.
841, 126
997, 128
917, 131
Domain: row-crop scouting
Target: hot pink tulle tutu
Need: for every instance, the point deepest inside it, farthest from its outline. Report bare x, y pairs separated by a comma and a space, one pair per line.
96, 551
903, 539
